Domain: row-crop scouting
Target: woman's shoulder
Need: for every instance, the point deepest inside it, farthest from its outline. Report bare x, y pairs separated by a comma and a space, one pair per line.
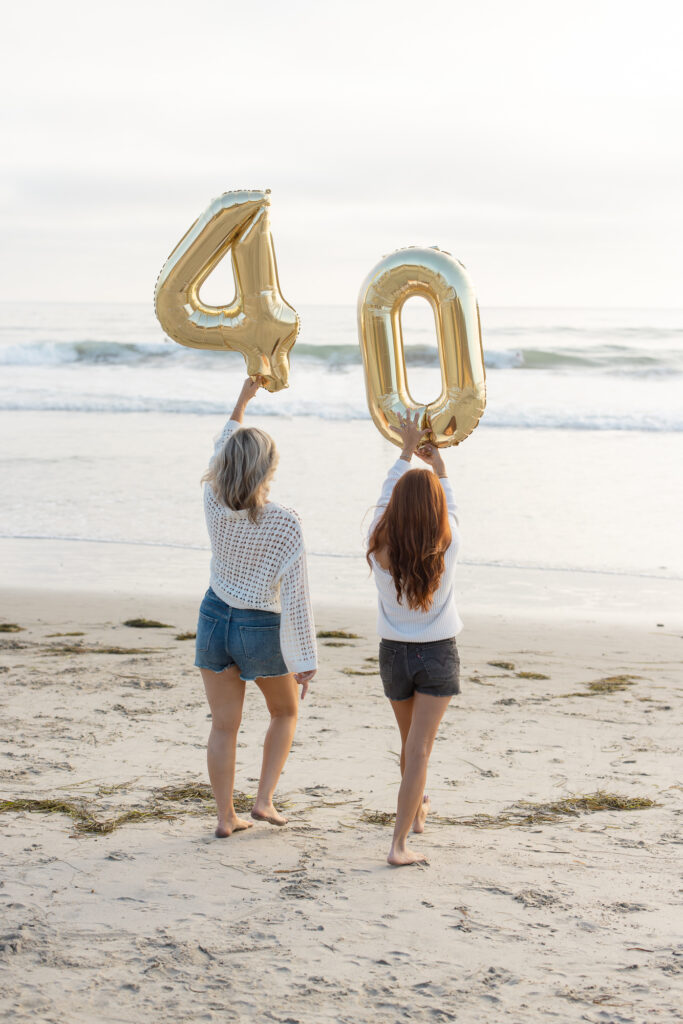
282, 514
283, 527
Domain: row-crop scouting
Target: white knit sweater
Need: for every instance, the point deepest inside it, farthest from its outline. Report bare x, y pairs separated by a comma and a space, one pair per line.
397, 621
263, 565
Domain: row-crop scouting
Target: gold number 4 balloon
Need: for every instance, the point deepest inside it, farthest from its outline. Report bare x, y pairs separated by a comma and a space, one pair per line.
258, 323
444, 282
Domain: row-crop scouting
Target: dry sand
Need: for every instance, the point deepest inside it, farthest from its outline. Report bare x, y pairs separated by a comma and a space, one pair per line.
571, 920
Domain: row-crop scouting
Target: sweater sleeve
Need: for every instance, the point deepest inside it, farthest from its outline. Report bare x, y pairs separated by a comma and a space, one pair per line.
395, 473
297, 629
450, 499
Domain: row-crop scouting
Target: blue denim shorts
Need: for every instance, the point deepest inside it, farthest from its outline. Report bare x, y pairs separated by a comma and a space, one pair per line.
245, 637
409, 668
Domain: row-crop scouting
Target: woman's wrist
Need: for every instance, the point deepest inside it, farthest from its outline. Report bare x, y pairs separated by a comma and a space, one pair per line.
249, 389
407, 454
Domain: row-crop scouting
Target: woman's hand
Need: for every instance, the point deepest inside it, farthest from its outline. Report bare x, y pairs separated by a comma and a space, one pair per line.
249, 389
303, 679
430, 454
411, 434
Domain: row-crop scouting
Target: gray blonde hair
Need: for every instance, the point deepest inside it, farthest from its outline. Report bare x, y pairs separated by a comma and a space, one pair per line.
241, 470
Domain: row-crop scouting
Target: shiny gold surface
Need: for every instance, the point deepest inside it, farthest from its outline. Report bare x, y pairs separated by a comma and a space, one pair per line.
258, 323
444, 282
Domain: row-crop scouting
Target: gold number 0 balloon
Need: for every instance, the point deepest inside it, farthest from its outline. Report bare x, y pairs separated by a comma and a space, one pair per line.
258, 323
444, 282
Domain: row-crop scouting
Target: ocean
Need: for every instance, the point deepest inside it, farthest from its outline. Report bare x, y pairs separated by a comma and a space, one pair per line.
554, 368
574, 468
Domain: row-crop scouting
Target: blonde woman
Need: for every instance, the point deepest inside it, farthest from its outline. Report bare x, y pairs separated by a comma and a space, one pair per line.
255, 621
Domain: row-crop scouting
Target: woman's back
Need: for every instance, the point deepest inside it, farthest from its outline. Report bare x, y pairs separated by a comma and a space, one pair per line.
249, 558
397, 621
259, 561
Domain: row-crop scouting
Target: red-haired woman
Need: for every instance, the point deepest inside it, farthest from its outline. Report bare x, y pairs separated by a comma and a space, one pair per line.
412, 551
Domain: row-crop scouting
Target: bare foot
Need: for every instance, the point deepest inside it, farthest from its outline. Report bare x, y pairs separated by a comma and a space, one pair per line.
269, 814
232, 825
422, 812
402, 858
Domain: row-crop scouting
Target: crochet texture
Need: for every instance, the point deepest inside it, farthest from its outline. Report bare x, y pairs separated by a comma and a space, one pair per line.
263, 565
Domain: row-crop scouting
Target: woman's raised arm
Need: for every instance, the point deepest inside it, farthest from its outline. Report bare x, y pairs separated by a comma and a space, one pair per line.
411, 436
432, 456
249, 389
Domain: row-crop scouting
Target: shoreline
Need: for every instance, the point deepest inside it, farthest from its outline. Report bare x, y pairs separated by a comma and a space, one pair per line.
633, 601
592, 500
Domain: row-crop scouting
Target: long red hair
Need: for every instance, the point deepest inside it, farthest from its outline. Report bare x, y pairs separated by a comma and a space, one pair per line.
415, 531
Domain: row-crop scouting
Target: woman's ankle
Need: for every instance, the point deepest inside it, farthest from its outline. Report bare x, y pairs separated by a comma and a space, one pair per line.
264, 803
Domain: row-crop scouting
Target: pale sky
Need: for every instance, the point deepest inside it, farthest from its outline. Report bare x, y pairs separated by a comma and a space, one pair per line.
539, 142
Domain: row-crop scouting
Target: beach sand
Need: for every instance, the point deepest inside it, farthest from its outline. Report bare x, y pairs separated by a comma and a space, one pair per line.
571, 919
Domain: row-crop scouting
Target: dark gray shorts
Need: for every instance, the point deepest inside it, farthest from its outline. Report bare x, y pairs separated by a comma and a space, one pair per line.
409, 668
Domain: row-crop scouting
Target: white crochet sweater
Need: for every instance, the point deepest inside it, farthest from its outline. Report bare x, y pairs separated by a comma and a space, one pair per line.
397, 621
263, 565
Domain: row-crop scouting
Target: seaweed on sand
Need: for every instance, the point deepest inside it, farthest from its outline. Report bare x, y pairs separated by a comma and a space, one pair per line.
82, 815
147, 624
76, 633
10, 627
337, 634
186, 636
525, 813
378, 817
360, 671
105, 826
191, 798
507, 665
81, 648
77, 811
610, 684
202, 793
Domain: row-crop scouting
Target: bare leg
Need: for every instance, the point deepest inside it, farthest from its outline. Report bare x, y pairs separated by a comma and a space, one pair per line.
282, 699
225, 694
403, 710
427, 714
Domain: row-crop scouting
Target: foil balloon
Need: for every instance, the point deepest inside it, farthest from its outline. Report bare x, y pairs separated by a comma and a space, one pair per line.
258, 322
444, 282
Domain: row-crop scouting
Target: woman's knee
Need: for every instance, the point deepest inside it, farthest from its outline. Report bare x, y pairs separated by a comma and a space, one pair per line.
285, 710
227, 725
418, 749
